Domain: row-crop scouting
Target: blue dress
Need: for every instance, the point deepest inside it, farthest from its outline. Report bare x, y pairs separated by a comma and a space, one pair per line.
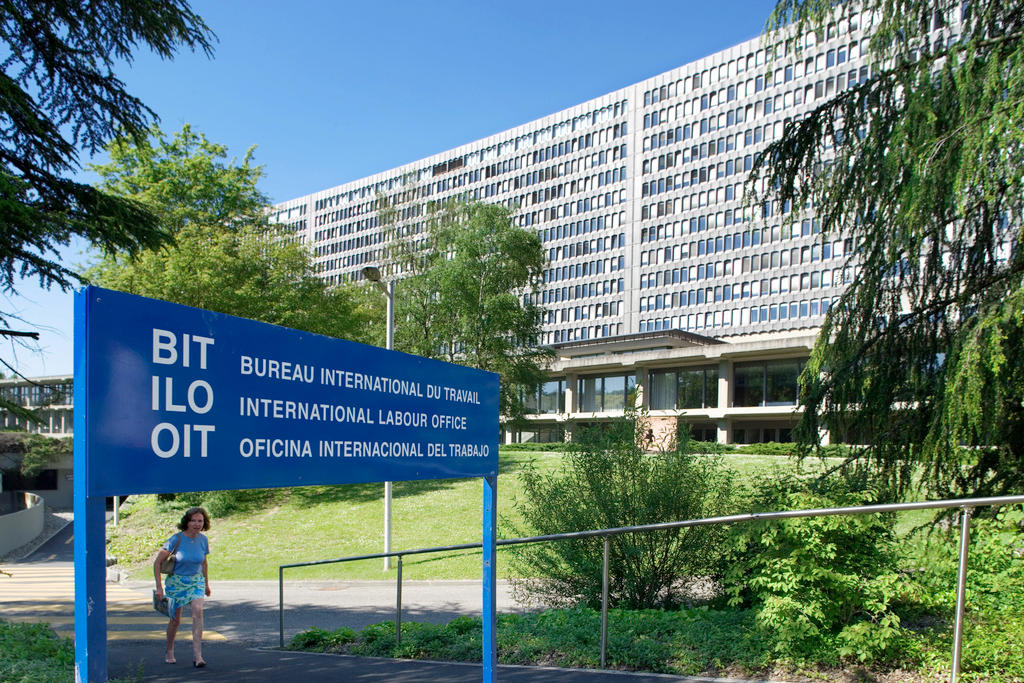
187, 583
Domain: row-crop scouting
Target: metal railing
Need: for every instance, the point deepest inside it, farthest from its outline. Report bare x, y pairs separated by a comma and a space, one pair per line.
966, 504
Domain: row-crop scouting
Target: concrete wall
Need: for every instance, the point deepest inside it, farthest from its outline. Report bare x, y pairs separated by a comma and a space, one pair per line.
18, 528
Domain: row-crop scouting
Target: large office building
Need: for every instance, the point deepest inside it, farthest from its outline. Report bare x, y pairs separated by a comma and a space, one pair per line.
659, 275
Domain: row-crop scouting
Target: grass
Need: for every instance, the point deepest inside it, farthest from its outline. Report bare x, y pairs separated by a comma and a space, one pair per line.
272, 527
33, 653
282, 526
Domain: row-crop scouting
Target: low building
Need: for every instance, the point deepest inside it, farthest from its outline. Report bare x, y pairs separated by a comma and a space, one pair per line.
740, 390
52, 399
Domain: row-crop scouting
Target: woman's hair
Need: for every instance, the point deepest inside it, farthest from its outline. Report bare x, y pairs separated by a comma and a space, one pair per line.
183, 524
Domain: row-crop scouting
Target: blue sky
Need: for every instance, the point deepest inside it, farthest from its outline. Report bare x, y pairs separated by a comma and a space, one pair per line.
329, 91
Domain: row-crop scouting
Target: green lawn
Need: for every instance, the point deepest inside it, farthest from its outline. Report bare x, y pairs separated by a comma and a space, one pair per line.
283, 526
323, 522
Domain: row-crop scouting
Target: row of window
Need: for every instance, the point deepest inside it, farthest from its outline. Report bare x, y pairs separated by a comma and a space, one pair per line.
746, 290
587, 289
61, 393
814, 279
781, 258
754, 384
592, 203
583, 333
585, 269
740, 317
582, 227
756, 58
586, 312
585, 247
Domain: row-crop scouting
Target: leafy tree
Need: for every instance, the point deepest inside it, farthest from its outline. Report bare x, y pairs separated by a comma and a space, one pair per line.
463, 294
607, 480
59, 95
919, 164
226, 257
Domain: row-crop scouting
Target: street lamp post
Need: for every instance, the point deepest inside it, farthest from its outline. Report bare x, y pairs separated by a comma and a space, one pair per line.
372, 273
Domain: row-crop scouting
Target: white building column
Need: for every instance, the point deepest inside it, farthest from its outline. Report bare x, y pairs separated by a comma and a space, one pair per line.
724, 430
643, 393
570, 403
724, 400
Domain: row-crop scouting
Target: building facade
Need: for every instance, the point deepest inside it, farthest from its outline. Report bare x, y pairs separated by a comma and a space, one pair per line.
638, 197
52, 399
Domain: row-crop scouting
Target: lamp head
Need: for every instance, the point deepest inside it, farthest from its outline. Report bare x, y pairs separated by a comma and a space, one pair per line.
371, 273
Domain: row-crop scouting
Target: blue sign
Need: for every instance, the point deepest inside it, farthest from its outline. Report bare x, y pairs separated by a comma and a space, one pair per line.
182, 399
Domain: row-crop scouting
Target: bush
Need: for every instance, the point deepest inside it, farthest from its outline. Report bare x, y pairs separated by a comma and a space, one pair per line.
819, 584
556, 446
33, 652
710, 447
223, 503
607, 480
993, 646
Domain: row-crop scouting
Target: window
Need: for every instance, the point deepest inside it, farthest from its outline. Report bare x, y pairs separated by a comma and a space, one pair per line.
684, 388
552, 397
766, 383
612, 392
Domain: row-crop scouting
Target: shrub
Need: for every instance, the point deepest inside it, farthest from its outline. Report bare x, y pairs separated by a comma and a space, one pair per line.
223, 503
33, 652
995, 594
556, 446
607, 480
322, 640
710, 447
819, 583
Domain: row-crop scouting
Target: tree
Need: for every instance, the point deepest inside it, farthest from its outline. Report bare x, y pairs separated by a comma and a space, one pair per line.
225, 257
919, 165
607, 480
58, 96
465, 294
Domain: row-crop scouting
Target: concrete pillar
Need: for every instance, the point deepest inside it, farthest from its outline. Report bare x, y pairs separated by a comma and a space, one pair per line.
643, 378
724, 430
725, 385
570, 405
570, 394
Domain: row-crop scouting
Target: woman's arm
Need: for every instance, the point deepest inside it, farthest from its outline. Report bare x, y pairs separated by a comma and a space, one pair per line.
160, 557
206, 576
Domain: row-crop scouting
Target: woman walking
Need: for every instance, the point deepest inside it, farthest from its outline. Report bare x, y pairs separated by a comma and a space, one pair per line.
189, 583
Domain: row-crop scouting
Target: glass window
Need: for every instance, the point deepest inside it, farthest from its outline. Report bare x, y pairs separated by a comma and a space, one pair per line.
769, 383
614, 393
711, 387
663, 390
590, 389
781, 382
552, 397
691, 388
748, 384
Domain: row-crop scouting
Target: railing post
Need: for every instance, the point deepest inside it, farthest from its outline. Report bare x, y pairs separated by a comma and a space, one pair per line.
604, 603
280, 602
398, 605
961, 591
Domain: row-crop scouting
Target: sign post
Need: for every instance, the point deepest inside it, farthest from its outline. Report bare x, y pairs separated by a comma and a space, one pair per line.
173, 398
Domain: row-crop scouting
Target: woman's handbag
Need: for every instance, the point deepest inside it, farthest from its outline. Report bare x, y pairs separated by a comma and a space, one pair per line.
161, 605
167, 566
